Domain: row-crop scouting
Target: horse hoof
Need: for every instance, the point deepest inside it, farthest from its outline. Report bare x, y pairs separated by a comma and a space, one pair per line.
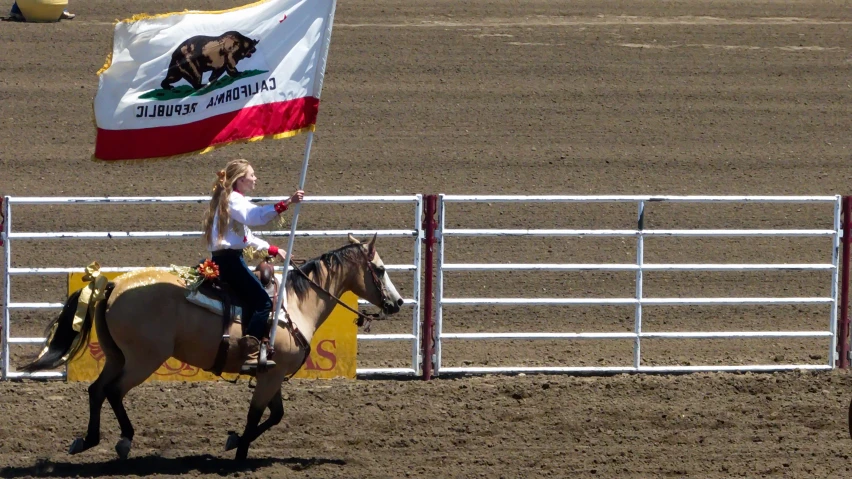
232, 442
242, 454
122, 448
78, 446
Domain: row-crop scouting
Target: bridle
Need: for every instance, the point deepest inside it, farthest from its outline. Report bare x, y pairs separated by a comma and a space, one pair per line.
364, 320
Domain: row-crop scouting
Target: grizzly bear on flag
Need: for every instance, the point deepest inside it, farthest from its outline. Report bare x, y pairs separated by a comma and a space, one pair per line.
201, 54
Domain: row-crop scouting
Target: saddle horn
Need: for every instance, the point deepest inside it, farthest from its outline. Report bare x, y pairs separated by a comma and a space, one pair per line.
265, 271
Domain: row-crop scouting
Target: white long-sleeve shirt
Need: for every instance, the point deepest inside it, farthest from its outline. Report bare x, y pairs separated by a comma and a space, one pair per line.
243, 213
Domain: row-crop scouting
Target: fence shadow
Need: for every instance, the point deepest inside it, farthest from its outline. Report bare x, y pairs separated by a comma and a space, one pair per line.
151, 465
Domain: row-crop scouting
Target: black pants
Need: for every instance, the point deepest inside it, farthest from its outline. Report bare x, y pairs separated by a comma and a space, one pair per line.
256, 302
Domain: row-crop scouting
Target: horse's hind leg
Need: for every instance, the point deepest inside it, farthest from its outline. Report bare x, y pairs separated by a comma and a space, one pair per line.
136, 371
112, 368
276, 413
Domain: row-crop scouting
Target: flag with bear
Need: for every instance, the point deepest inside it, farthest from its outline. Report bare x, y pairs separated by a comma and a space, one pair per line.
189, 82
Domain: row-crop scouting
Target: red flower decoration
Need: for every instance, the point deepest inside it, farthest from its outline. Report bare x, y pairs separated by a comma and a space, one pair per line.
208, 269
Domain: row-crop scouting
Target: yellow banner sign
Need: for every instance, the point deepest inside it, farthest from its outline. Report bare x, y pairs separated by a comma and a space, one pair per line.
334, 349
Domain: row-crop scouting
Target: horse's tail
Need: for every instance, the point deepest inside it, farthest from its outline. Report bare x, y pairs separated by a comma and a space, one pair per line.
63, 342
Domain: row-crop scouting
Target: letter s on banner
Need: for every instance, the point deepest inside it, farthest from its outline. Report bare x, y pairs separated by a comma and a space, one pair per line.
328, 354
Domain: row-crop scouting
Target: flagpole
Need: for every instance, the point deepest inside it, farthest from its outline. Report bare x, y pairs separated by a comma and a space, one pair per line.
322, 58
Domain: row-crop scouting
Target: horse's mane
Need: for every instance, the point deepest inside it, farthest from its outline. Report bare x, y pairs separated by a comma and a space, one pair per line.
332, 259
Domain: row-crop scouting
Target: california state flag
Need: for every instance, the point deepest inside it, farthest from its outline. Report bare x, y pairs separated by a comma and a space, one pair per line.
192, 81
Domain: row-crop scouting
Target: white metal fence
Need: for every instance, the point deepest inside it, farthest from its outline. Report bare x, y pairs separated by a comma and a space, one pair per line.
11, 237
638, 300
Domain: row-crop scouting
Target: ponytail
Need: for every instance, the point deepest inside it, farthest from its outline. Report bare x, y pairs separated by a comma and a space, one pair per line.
218, 207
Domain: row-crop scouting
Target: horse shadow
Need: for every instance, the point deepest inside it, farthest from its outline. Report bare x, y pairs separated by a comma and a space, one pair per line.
151, 465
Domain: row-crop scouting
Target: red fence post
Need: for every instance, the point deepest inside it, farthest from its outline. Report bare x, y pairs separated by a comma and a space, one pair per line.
2, 223
429, 226
843, 327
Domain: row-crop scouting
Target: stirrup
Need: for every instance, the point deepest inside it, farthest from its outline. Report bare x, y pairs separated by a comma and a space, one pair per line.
264, 361
251, 363
252, 369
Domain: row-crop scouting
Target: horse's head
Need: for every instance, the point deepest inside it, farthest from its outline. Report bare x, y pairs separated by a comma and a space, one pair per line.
373, 283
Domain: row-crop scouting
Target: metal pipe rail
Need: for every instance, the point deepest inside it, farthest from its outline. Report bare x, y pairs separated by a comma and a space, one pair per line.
633, 267
634, 199
9, 236
692, 335
628, 369
568, 232
127, 269
127, 200
197, 234
639, 267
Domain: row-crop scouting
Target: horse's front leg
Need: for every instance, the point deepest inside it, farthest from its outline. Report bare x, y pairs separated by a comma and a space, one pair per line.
268, 388
276, 413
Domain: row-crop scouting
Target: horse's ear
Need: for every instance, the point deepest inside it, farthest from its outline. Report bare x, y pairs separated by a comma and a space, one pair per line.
352, 239
371, 246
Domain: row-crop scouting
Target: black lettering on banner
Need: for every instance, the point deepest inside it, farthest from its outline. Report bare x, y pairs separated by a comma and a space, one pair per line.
272, 81
236, 91
244, 90
157, 111
228, 95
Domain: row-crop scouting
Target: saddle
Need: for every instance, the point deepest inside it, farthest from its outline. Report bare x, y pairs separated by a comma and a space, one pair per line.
217, 296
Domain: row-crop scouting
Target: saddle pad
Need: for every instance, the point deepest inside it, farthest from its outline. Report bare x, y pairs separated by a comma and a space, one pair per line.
211, 304
215, 306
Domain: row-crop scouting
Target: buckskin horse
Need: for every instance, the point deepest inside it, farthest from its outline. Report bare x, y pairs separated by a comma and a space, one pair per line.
144, 318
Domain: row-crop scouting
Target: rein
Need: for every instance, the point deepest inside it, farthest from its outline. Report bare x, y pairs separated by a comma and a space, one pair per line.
363, 319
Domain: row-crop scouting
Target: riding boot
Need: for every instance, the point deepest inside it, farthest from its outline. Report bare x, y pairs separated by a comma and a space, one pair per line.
250, 349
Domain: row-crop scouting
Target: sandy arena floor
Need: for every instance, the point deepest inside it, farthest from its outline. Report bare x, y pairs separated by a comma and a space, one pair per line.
489, 97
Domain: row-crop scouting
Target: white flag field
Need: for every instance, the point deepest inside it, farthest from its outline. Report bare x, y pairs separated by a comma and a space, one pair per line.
189, 82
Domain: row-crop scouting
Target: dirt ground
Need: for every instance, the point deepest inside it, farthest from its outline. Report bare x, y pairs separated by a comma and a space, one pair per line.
483, 97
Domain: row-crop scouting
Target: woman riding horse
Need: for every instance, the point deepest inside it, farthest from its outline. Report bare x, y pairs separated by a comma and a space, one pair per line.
143, 318
227, 233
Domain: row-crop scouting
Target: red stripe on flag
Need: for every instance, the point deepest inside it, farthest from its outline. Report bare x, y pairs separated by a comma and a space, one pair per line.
250, 122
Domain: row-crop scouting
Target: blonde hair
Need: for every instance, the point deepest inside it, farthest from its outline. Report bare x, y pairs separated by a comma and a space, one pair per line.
222, 189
